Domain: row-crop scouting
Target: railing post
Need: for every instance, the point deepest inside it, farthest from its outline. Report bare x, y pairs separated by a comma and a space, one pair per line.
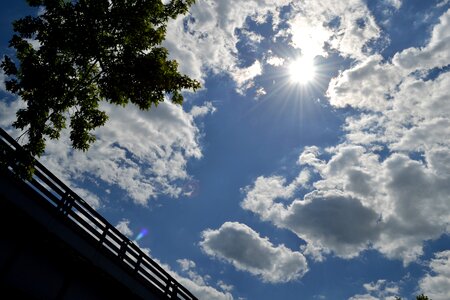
104, 234
123, 249
171, 288
66, 203
174, 294
138, 263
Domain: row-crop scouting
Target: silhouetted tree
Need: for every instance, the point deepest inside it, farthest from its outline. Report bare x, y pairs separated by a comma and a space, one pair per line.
90, 51
422, 297
419, 297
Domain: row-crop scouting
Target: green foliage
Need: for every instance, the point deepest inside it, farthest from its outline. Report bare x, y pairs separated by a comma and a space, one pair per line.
90, 51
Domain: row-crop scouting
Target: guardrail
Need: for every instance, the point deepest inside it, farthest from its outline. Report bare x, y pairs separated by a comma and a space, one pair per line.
76, 211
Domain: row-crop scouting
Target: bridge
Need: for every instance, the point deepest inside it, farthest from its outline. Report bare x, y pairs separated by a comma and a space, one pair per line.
55, 246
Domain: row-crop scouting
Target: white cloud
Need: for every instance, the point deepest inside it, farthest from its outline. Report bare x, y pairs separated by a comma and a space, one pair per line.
443, 3
253, 38
244, 77
380, 290
124, 227
275, 61
260, 198
200, 111
143, 152
414, 118
368, 85
436, 284
434, 55
88, 196
371, 84
225, 287
203, 291
196, 283
397, 204
394, 3
186, 264
239, 245
2, 81
354, 26
8, 112
325, 221
309, 156
260, 92
206, 39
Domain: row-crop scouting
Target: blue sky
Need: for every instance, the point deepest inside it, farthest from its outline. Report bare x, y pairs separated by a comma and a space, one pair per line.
313, 164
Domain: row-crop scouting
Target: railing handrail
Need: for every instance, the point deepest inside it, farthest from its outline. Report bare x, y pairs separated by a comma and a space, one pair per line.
80, 213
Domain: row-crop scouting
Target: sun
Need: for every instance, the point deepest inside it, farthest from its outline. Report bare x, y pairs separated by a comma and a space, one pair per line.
302, 70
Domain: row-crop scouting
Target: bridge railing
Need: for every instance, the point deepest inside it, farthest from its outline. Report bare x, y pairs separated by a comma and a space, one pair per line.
79, 213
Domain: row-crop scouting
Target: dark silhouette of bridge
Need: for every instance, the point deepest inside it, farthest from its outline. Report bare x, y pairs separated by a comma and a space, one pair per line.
53, 245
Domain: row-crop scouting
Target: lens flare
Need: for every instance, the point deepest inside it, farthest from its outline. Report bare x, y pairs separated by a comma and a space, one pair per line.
141, 234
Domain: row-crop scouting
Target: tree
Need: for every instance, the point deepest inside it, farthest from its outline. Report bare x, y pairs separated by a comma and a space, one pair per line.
419, 297
90, 51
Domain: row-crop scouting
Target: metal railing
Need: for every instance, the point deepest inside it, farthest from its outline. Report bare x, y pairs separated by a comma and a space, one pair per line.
77, 212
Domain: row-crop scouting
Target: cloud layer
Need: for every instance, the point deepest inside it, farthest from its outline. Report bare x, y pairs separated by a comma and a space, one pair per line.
379, 290
436, 284
385, 187
206, 40
142, 152
241, 246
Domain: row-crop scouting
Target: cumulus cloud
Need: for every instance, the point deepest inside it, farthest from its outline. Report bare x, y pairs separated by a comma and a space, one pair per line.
325, 221
339, 223
434, 55
372, 83
196, 283
260, 92
205, 41
2, 81
200, 111
203, 291
368, 85
186, 264
443, 3
436, 284
379, 290
143, 152
241, 246
275, 61
396, 203
225, 287
124, 228
8, 113
244, 77
394, 3
346, 26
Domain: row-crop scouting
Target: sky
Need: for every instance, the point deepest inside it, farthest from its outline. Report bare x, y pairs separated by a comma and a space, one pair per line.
314, 163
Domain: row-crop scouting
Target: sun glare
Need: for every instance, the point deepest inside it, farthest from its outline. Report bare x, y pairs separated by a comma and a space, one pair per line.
302, 70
